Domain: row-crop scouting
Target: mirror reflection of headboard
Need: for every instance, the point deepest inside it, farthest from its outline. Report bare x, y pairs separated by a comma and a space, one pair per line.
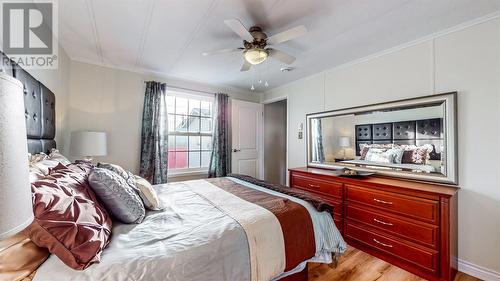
412, 132
39, 105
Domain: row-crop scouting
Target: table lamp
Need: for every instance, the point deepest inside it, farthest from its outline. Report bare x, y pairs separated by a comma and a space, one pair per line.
344, 142
16, 207
88, 144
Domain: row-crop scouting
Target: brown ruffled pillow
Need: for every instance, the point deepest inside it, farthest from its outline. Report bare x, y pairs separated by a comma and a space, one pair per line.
416, 154
364, 151
69, 221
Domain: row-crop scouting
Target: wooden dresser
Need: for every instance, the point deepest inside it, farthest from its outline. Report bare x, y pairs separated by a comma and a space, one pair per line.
410, 224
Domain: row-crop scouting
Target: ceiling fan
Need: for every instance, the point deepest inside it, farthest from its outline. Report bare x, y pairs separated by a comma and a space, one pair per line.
256, 42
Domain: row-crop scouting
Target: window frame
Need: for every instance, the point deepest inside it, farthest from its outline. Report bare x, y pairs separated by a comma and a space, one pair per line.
197, 96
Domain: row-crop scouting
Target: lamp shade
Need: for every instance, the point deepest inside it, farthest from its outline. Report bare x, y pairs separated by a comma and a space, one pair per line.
85, 143
16, 208
344, 141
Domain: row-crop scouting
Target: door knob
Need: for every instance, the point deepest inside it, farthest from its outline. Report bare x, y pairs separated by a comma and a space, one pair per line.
236, 150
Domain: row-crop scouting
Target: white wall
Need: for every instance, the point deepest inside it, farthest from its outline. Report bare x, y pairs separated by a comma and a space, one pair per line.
111, 100
57, 80
465, 60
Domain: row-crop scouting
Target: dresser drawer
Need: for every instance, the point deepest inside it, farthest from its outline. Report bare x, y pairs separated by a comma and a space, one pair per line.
426, 259
422, 233
414, 207
318, 186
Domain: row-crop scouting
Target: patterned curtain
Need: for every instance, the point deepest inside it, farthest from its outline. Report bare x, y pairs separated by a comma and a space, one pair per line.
154, 137
317, 132
220, 162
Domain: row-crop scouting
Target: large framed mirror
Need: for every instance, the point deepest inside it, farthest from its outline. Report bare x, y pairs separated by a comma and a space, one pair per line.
412, 138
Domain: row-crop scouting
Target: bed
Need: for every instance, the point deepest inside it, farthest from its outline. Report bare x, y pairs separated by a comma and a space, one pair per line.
208, 233
233, 228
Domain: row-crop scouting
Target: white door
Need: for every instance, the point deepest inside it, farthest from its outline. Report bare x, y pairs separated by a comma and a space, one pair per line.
247, 138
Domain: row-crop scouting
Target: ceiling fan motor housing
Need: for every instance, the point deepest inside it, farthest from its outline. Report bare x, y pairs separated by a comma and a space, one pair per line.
259, 38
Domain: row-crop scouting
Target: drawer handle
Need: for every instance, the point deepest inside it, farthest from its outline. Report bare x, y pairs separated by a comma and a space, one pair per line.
382, 201
314, 185
383, 222
383, 244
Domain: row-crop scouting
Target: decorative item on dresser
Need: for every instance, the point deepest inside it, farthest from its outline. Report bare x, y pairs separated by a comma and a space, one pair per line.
410, 224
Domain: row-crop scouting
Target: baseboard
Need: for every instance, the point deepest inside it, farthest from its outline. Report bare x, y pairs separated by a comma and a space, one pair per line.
478, 271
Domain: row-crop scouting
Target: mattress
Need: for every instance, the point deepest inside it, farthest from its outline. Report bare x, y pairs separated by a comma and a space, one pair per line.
192, 239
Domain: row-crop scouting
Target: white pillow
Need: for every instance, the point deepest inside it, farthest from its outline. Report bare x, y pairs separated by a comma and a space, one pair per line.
379, 155
148, 194
32, 158
57, 156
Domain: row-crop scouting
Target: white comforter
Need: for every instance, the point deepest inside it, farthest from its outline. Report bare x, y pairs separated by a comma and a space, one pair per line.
192, 239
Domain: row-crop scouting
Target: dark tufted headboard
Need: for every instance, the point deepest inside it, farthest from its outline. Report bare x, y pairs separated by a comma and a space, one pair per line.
413, 132
39, 105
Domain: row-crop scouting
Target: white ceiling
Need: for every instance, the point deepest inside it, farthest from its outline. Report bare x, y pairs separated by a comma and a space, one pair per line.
168, 36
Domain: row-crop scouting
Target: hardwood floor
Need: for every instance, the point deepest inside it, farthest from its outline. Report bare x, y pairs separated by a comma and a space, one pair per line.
360, 266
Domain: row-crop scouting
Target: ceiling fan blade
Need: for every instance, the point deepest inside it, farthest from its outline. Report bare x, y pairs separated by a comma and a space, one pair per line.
239, 29
246, 66
287, 35
281, 56
222, 51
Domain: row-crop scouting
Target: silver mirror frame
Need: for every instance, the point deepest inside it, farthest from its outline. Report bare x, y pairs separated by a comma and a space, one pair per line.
450, 131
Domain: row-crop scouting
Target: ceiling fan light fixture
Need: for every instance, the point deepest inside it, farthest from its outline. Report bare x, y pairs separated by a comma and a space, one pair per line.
256, 55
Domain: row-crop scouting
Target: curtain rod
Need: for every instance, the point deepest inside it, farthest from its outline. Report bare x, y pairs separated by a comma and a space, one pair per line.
186, 89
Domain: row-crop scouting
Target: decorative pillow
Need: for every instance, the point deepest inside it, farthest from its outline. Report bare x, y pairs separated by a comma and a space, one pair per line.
43, 162
379, 155
43, 166
35, 174
364, 151
69, 221
119, 198
398, 154
416, 154
407, 157
148, 194
365, 147
19, 257
57, 156
421, 155
33, 158
126, 175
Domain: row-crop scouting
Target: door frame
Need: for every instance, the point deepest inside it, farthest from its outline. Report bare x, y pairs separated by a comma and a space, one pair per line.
273, 100
260, 123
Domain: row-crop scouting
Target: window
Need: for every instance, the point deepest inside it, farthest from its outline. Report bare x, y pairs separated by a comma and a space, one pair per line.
190, 126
